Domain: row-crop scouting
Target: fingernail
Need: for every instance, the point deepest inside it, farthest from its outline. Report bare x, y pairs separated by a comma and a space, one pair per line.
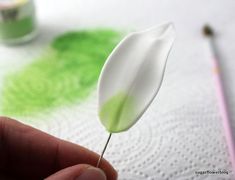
92, 173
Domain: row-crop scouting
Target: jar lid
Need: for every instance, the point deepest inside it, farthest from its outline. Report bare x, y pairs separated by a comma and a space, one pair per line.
9, 4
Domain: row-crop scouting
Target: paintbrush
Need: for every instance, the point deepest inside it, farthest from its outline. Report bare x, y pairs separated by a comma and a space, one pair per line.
210, 35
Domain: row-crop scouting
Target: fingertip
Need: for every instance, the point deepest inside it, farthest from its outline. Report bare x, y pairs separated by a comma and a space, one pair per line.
109, 170
92, 173
69, 172
79, 172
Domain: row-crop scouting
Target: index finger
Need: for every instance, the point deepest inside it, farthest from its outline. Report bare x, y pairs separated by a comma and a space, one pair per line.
33, 154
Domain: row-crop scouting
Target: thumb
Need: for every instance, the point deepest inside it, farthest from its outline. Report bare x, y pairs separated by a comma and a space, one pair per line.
79, 172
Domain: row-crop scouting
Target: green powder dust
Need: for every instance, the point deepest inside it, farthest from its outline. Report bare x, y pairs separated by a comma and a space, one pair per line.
66, 74
117, 114
16, 29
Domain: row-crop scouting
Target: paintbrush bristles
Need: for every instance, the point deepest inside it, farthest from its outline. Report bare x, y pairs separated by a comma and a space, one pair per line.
208, 31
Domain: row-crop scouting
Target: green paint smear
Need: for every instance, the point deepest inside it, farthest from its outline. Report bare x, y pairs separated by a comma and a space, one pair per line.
118, 113
66, 74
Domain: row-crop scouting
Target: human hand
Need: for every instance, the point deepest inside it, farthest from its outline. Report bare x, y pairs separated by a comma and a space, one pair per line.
27, 153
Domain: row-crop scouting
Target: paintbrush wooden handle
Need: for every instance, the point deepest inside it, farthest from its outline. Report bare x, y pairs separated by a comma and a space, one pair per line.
223, 111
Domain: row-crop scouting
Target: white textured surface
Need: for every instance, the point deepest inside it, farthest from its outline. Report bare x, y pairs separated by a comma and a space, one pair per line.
181, 132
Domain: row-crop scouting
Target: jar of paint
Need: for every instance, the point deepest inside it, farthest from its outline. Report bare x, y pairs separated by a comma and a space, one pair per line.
17, 21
